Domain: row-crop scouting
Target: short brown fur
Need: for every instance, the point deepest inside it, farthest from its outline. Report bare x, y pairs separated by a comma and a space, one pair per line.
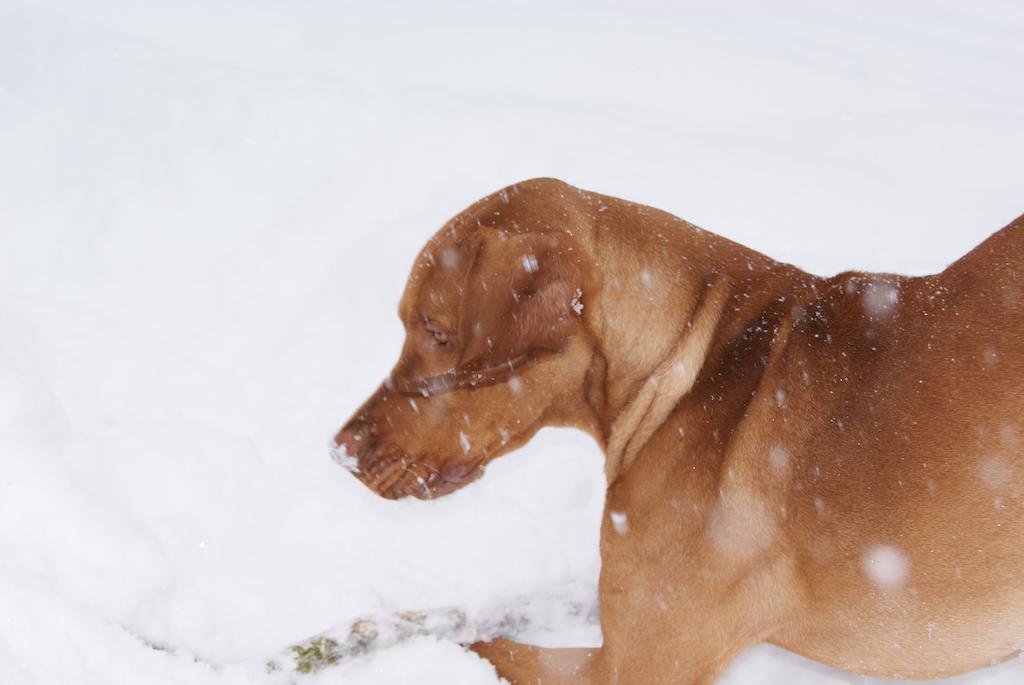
833, 465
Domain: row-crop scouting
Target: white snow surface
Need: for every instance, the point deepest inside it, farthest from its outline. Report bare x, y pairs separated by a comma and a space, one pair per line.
207, 212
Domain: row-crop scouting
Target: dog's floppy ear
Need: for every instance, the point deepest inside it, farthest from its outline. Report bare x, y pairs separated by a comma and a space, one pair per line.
524, 294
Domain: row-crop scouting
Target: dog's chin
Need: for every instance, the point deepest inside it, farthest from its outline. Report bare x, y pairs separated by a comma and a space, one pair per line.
420, 482
392, 474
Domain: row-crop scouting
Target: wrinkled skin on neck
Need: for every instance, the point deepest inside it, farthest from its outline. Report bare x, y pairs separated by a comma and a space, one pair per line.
496, 347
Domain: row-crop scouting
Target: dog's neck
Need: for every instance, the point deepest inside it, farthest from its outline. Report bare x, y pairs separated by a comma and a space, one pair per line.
682, 295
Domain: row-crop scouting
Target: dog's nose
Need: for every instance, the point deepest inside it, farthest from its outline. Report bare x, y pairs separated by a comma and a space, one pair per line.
349, 439
349, 443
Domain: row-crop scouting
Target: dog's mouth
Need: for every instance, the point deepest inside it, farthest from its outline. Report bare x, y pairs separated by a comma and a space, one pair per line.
392, 474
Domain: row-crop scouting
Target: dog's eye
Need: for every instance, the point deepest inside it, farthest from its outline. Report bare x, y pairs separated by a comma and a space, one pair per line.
434, 334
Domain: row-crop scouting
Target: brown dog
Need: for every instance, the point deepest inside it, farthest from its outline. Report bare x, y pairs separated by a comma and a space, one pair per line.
833, 465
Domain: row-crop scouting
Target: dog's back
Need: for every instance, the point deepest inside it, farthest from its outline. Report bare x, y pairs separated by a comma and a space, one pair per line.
920, 454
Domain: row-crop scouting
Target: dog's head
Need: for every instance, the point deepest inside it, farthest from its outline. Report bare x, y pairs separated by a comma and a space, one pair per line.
495, 347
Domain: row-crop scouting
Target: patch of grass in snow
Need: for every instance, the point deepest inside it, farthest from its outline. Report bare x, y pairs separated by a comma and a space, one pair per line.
315, 654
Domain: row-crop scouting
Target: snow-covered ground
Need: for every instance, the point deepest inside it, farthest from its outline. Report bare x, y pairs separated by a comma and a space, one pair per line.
207, 211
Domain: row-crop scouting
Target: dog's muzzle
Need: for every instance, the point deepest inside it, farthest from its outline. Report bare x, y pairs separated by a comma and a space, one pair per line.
390, 472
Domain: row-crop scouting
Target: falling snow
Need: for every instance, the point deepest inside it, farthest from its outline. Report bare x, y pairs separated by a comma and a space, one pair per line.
646, 278
996, 472
206, 232
886, 566
620, 522
880, 299
450, 258
780, 398
778, 456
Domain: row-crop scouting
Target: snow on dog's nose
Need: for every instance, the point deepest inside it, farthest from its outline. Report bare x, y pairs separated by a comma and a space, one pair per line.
346, 446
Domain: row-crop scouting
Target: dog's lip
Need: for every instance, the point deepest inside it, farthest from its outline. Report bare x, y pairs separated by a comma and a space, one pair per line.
458, 472
399, 476
443, 485
437, 483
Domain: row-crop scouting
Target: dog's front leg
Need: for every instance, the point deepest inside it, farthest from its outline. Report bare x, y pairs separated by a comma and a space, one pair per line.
690, 647
521, 664
694, 662
683, 592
